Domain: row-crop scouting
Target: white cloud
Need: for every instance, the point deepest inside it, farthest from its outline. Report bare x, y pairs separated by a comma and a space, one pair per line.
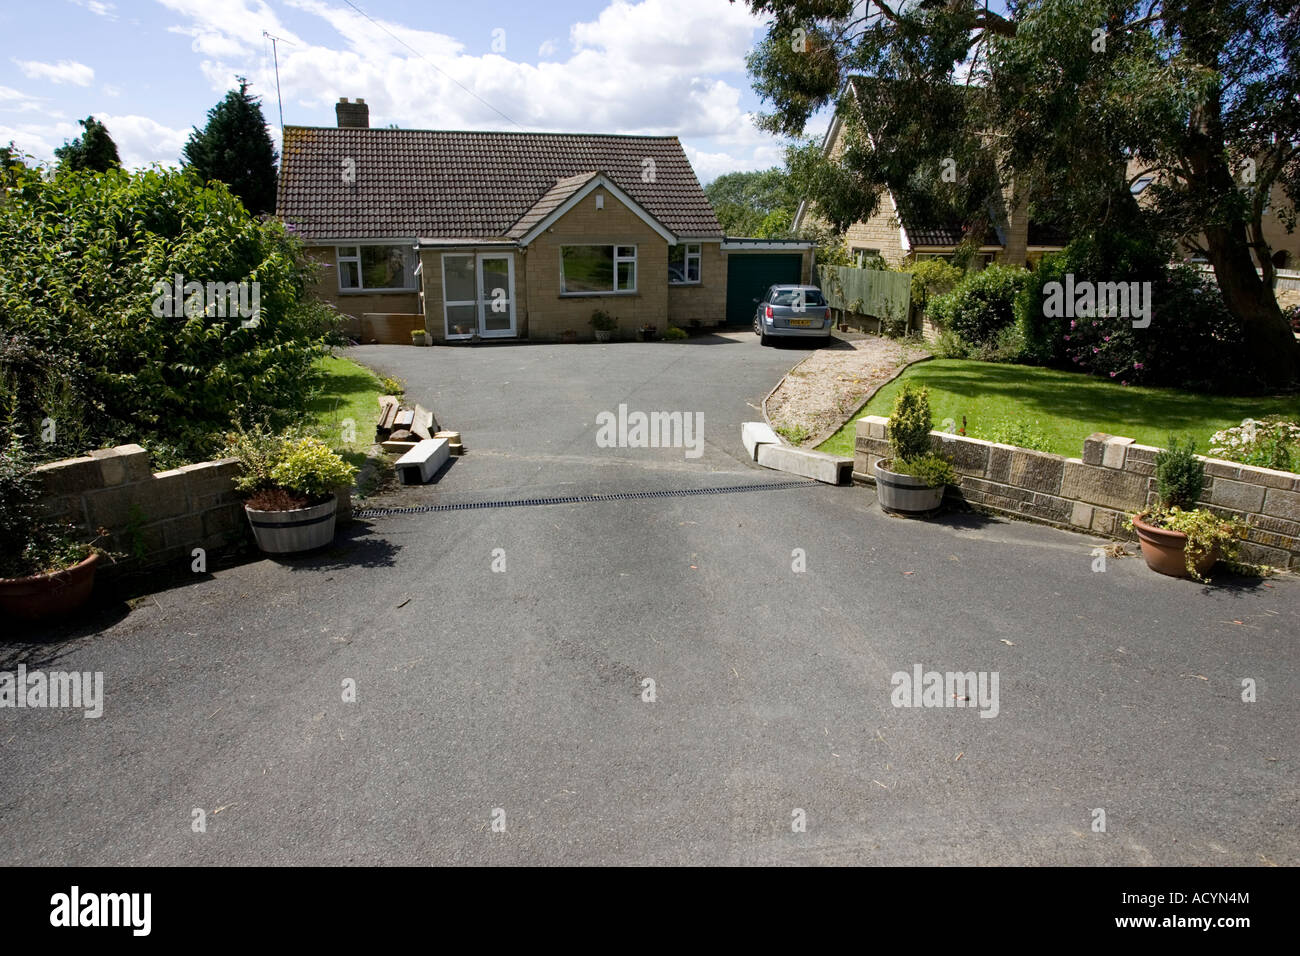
666, 67
140, 140
65, 71
16, 101
98, 8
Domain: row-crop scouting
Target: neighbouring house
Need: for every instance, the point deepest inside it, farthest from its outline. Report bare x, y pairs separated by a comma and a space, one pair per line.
479, 235
1283, 243
899, 235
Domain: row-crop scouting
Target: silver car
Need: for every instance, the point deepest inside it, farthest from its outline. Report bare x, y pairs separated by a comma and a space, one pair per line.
792, 311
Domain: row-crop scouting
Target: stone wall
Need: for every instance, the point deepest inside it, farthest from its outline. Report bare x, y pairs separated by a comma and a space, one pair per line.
551, 313
1096, 493
704, 303
164, 514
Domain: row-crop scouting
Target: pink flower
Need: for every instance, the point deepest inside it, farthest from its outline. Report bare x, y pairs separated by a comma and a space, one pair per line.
1072, 323
1095, 350
1137, 365
1067, 338
1113, 374
1105, 338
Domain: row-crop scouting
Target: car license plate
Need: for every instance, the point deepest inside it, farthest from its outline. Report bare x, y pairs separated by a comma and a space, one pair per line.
800, 323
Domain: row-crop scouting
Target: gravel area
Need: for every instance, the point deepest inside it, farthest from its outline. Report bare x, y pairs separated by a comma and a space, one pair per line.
821, 392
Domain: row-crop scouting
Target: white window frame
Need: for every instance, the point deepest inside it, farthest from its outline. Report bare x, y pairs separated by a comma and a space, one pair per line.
339, 259
618, 259
687, 256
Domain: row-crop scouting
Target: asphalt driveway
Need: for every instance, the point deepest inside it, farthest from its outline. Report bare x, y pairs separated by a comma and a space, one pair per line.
500, 658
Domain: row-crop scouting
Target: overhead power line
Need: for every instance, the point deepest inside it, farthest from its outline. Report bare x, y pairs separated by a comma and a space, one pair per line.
363, 13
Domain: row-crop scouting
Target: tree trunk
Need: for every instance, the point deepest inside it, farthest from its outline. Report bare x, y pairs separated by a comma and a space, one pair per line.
1269, 338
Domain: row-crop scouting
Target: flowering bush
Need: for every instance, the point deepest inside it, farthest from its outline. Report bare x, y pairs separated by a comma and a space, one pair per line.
1267, 443
1191, 341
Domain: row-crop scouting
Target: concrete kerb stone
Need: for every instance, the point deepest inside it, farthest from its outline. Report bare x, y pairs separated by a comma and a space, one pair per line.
422, 462
754, 434
818, 465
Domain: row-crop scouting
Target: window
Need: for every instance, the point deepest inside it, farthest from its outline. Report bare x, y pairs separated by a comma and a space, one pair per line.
684, 264
811, 298
376, 268
862, 256
1140, 184
593, 270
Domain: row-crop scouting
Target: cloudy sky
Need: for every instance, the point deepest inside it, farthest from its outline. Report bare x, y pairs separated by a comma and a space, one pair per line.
151, 69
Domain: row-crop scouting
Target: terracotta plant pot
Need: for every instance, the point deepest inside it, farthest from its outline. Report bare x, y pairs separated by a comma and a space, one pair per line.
288, 532
905, 495
1164, 550
45, 597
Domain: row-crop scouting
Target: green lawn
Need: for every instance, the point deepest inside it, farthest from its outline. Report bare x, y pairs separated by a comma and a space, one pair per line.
347, 391
1066, 406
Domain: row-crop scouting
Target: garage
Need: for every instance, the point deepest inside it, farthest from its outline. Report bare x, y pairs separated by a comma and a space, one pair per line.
755, 264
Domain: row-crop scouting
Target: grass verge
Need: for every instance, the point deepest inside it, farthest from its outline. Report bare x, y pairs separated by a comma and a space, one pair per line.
1064, 407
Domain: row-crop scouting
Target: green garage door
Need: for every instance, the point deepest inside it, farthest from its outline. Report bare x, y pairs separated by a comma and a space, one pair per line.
748, 276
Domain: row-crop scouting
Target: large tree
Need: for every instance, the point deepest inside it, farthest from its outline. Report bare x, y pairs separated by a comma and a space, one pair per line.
235, 148
1063, 95
93, 150
759, 204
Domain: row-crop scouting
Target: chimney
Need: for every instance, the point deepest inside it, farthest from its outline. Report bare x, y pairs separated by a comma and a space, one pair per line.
356, 115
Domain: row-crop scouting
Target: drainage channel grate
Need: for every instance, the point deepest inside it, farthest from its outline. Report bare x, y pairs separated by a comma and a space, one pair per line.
581, 499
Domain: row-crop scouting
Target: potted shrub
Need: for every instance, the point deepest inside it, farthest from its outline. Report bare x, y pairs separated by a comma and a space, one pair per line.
290, 485
419, 337
45, 572
647, 333
1176, 538
912, 481
604, 324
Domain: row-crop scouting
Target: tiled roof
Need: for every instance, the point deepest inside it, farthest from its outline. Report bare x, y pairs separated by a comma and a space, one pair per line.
441, 184
552, 199
921, 232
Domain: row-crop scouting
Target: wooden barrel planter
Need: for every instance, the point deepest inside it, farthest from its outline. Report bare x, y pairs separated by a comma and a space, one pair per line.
301, 529
905, 495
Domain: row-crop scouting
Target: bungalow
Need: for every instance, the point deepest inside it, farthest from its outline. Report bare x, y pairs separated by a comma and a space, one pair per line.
900, 235
491, 235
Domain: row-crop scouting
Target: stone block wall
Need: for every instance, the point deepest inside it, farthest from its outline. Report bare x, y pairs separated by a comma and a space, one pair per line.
164, 515
1096, 493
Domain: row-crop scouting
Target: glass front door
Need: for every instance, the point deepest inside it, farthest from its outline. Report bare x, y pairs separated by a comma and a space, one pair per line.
496, 301
478, 294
